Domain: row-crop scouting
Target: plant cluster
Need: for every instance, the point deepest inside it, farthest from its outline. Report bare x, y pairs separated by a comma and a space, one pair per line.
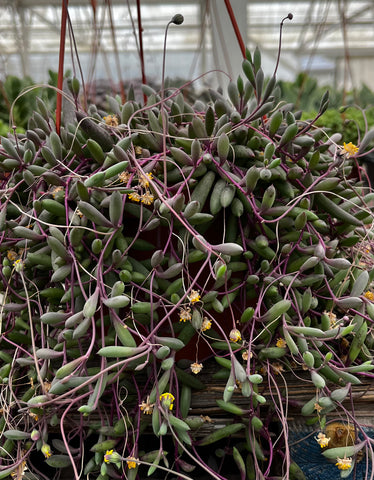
350, 122
138, 243
305, 93
18, 100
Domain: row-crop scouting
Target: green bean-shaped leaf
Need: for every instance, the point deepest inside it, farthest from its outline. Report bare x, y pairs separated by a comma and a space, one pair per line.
348, 451
113, 351
93, 214
221, 433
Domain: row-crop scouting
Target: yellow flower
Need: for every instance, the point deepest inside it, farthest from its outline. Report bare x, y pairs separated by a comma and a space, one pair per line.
124, 177
349, 149
132, 462
113, 457
343, 463
167, 400
317, 407
56, 191
369, 295
281, 343
185, 314
19, 471
111, 120
332, 318
206, 325
194, 296
196, 367
33, 415
138, 150
246, 354
277, 367
46, 450
47, 386
146, 407
134, 196
322, 439
11, 255
147, 198
263, 371
18, 265
144, 179
235, 335
107, 456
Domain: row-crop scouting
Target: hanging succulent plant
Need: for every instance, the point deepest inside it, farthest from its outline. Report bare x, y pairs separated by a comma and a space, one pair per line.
138, 244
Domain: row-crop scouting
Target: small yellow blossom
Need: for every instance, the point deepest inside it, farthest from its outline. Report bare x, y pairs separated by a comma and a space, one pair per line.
146, 407
206, 325
12, 255
34, 416
281, 343
246, 354
56, 191
185, 314
147, 198
263, 371
47, 385
113, 457
196, 367
107, 456
317, 407
144, 179
369, 295
138, 150
167, 400
206, 419
194, 296
322, 439
343, 463
111, 120
19, 471
134, 196
277, 367
78, 213
235, 335
349, 149
332, 318
18, 265
46, 450
124, 177
132, 462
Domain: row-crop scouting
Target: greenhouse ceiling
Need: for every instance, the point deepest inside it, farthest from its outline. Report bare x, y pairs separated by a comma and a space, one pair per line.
333, 39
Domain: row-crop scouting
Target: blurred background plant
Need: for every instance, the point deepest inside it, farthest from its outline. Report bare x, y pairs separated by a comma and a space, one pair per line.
25, 104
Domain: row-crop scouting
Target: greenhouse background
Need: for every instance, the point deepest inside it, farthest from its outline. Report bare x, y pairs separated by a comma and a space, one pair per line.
332, 40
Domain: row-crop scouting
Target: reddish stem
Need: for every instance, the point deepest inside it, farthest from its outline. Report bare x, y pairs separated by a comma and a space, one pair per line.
112, 29
60, 78
235, 26
141, 52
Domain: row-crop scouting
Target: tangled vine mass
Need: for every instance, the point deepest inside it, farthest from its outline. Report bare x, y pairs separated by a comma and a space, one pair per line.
147, 245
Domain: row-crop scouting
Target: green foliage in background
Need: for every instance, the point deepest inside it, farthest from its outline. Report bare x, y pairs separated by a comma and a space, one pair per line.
305, 93
350, 122
23, 105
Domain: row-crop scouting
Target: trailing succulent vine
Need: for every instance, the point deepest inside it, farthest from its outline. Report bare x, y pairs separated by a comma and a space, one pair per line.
141, 242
